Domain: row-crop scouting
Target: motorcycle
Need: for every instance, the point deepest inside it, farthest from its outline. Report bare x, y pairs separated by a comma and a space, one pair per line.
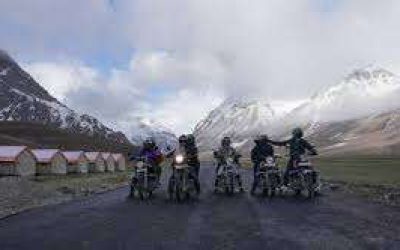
227, 181
269, 177
143, 182
304, 177
181, 185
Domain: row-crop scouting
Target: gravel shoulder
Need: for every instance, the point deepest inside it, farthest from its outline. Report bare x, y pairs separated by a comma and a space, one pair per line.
18, 194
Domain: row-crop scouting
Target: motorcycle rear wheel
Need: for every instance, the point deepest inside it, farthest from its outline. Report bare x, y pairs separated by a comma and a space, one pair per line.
132, 192
265, 191
178, 194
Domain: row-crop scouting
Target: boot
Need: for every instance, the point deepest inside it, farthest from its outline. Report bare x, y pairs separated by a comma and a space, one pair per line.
216, 184
241, 189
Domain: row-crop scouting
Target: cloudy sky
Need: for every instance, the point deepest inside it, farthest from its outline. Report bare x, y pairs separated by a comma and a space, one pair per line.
174, 60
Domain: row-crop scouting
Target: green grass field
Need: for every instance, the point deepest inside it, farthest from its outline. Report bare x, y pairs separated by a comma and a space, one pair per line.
355, 170
361, 170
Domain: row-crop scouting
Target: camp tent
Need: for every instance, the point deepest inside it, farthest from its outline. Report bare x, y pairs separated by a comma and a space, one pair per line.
110, 161
77, 162
50, 161
120, 162
17, 160
97, 164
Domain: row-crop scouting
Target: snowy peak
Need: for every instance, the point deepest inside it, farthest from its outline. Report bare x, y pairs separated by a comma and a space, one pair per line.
22, 99
370, 81
143, 128
235, 117
13, 76
365, 91
371, 72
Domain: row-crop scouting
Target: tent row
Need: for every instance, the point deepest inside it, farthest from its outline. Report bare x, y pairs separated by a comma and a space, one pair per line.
22, 161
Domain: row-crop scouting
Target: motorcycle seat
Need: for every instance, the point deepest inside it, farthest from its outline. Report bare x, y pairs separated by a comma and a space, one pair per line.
294, 171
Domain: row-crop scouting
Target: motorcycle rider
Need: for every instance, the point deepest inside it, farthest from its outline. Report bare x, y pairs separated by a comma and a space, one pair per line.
297, 147
151, 152
190, 154
224, 152
193, 158
259, 153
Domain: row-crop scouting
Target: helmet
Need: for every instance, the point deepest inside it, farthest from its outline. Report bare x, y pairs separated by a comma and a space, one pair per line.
182, 139
262, 138
191, 139
149, 143
297, 132
226, 141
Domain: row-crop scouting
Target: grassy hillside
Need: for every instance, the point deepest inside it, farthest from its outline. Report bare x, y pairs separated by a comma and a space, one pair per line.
42, 136
361, 169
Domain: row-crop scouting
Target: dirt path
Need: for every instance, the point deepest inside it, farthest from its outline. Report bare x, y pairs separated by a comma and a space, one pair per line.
112, 221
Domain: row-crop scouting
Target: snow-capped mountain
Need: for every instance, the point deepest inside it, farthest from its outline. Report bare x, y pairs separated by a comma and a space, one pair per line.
238, 117
22, 99
144, 128
367, 98
371, 90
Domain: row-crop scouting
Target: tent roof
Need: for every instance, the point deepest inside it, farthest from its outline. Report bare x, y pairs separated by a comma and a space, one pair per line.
11, 153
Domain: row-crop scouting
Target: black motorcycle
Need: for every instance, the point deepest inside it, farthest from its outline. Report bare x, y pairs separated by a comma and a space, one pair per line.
181, 185
144, 180
268, 177
303, 177
227, 180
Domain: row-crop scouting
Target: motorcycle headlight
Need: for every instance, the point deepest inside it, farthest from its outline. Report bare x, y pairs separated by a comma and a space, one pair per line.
179, 159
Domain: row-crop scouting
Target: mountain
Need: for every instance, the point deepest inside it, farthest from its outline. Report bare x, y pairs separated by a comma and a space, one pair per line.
23, 100
145, 128
237, 117
365, 104
366, 91
370, 135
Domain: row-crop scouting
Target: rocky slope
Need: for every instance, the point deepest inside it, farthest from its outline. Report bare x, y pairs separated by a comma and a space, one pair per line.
373, 134
22, 99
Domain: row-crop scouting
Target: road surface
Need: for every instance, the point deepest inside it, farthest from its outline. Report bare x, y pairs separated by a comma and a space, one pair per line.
112, 221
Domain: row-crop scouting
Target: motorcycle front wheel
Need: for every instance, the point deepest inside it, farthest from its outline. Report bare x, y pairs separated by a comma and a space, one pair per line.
141, 194
132, 192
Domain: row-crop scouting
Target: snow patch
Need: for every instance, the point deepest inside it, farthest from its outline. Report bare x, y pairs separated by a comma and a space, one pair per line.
4, 71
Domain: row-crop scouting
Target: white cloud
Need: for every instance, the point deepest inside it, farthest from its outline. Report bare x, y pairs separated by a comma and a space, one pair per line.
122, 96
60, 79
186, 54
183, 110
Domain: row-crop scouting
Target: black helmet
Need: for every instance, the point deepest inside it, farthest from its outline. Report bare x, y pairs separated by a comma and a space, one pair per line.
182, 139
297, 132
149, 143
226, 141
191, 139
261, 138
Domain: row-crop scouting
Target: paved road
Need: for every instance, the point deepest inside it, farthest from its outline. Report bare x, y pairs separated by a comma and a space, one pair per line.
111, 221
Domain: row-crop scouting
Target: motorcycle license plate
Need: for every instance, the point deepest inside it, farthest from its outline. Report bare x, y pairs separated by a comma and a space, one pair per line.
304, 164
180, 166
307, 171
141, 171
